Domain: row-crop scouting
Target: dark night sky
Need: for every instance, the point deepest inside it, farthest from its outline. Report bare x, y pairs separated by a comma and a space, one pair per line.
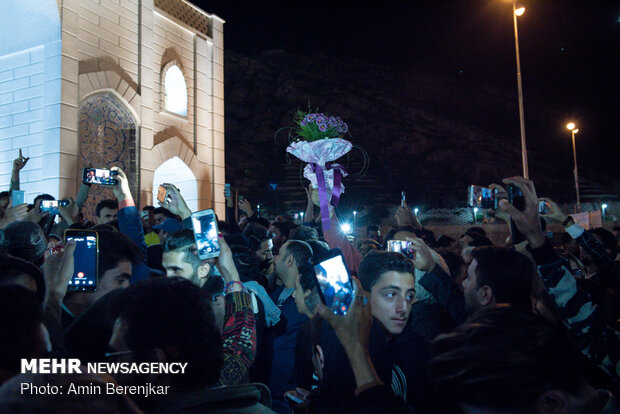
569, 48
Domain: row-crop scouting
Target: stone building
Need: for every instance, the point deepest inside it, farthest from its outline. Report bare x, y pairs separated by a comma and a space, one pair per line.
97, 83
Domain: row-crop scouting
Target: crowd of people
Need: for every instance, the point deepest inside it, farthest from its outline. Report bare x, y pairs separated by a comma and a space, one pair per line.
447, 326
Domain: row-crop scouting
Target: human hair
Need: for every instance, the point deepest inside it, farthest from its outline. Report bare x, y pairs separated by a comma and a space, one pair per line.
163, 211
504, 358
372, 227
608, 240
114, 247
319, 249
4, 194
479, 241
47, 197
507, 272
214, 285
305, 233
376, 263
111, 204
444, 241
148, 208
283, 227
14, 267
172, 312
183, 241
24, 239
453, 260
301, 252
224, 227
20, 317
426, 235
246, 262
478, 231
255, 234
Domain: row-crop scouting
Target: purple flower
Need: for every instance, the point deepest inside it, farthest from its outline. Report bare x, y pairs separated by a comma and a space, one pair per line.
321, 119
322, 127
303, 122
332, 123
311, 117
344, 128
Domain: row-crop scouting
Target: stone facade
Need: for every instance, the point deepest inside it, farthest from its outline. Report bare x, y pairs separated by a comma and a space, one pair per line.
110, 109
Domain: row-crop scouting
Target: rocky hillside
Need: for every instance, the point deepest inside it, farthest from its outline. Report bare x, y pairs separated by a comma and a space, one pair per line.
429, 135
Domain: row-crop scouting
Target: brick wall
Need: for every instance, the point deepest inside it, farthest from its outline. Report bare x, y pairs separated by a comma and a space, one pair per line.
30, 117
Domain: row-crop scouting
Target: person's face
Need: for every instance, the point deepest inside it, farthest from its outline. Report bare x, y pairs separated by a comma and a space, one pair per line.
107, 215
265, 252
374, 235
112, 279
391, 299
277, 239
4, 202
300, 295
279, 260
159, 218
175, 265
470, 290
148, 221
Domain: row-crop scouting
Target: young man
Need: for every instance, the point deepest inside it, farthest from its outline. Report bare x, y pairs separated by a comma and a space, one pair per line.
399, 356
106, 211
508, 360
170, 320
117, 256
281, 338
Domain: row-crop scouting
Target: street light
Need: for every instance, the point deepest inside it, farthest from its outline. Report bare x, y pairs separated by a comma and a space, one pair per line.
475, 213
415, 211
603, 208
346, 228
572, 127
354, 216
302, 217
515, 13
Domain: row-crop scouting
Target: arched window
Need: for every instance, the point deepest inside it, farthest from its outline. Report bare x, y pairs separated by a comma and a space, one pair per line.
175, 90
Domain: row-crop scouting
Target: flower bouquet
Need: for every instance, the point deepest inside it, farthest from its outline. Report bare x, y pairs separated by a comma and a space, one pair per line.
318, 143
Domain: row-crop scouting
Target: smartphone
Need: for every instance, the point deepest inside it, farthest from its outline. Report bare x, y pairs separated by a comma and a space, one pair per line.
334, 283
403, 199
482, 197
401, 246
51, 206
205, 232
17, 197
86, 258
515, 197
162, 193
544, 207
99, 176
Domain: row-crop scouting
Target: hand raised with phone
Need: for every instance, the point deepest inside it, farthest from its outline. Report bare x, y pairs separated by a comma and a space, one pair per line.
121, 189
58, 269
174, 202
20, 162
527, 220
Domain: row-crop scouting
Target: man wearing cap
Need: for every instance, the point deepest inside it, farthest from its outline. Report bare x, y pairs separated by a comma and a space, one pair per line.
167, 227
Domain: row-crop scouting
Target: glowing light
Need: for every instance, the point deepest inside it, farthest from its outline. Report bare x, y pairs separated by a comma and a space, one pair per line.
415, 210
346, 228
175, 98
570, 126
520, 11
604, 206
475, 210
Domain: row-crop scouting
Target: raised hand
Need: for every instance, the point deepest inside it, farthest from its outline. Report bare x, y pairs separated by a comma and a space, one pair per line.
121, 190
406, 217
527, 221
70, 212
174, 202
555, 212
246, 207
20, 162
424, 259
58, 269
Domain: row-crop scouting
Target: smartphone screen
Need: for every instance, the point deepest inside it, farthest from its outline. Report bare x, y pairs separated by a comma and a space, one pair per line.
205, 233
51, 206
161, 194
98, 176
401, 246
86, 258
515, 197
482, 197
334, 284
543, 207
17, 197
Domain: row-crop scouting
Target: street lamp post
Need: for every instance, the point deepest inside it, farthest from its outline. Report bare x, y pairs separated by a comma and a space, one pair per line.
573, 130
515, 13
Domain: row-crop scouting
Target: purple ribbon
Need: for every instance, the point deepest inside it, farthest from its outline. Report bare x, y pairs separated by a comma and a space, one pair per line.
336, 191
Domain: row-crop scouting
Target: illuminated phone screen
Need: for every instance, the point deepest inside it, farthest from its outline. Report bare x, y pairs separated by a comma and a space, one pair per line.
205, 232
335, 284
86, 257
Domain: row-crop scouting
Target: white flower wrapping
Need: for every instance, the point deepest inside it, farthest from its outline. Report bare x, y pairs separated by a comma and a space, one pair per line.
329, 179
321, 151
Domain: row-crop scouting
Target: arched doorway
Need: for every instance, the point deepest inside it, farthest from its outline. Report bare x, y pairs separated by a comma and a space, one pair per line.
107, 138
175, 171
